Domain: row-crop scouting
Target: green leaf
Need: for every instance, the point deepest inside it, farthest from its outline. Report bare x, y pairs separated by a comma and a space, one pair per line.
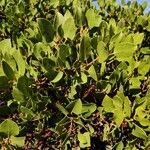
101, 3
118, 117
23, 85
83, 77
8, 70
62, 109
63, 52
118, 101
88, 109
69, 28
59, 20
144, 4
85, 48
116, 38
54, 3
120, 146
92, 18
9, 127
20, 62
48, 64
90, 15
135, 82
108, 104
77, 109
101, 50
27, 113
58, 77
139, 132
92, 73
84, 140
79, 19
17, 95
145, 50
4, 82
127, 107
72, 92
17, 141
138, 38
60, 125
5, 46
47, 30
91, 129
124, 51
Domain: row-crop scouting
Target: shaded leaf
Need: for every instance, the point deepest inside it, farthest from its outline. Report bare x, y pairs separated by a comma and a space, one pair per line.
4, 82
58, 77
85, 48
46, 28
8, 70
62, 109
20, 62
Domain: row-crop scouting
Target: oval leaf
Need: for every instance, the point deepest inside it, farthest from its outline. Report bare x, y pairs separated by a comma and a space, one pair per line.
77, 109
9, 127
47, 30
92, 73
8, 70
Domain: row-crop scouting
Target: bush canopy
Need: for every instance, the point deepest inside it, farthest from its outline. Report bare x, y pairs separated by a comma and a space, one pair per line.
74, 77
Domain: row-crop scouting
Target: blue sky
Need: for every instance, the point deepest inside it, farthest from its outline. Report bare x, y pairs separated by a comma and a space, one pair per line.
140, 1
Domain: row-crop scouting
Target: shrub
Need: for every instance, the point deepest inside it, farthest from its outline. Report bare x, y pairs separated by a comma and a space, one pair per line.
73, 76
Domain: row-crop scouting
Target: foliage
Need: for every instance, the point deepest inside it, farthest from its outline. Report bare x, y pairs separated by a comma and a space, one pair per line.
73, 76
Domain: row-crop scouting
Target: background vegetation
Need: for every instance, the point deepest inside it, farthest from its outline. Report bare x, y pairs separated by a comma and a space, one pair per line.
74, 77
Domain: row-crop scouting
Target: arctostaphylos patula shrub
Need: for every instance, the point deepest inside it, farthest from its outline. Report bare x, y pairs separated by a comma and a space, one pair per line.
73, 76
